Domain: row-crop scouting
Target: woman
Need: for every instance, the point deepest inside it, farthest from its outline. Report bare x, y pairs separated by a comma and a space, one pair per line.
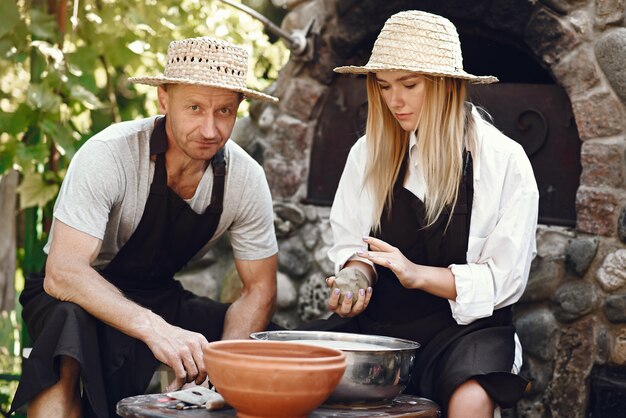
448, 208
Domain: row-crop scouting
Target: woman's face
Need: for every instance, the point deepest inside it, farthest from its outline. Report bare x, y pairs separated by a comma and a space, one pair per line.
403, 93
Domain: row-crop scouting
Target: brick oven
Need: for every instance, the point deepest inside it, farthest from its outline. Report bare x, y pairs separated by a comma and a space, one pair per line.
562, 95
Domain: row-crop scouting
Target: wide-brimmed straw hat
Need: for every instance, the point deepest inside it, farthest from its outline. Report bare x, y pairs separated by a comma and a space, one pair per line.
419, 42
206, 61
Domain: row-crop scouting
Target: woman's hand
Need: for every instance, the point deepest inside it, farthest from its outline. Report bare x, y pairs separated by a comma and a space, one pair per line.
386, 255
346, 309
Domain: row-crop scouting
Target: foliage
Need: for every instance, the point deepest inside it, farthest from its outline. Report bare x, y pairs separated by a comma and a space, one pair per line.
64, 78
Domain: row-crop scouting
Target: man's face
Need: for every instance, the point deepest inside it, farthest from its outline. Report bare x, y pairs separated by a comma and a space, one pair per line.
200, 119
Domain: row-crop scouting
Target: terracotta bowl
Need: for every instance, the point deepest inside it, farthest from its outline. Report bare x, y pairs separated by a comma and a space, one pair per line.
273, 378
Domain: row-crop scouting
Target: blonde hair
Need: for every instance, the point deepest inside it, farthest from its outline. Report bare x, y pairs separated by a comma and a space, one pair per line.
445, 127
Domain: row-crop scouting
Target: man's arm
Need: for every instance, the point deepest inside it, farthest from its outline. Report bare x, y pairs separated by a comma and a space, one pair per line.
254, 308
70, 277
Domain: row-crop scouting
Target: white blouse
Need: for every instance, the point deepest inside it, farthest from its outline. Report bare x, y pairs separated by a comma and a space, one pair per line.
503, 221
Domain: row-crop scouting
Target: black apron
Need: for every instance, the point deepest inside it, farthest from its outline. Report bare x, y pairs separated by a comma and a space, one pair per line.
450, 353
114, 365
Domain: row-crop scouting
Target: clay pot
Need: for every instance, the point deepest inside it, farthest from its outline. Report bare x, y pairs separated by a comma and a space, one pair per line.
273, 378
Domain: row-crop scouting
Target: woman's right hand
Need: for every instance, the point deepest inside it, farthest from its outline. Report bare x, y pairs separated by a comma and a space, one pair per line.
346, 309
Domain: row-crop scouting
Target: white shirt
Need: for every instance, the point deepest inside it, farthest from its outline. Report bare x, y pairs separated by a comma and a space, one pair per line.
503, 221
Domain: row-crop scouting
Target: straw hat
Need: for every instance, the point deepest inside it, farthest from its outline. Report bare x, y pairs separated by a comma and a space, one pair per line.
206, 62
419, 42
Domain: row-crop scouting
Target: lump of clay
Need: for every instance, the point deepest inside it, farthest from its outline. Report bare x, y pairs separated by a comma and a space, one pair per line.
350, 280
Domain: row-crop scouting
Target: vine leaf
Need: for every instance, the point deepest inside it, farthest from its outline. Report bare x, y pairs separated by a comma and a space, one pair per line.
34, 191
9, 16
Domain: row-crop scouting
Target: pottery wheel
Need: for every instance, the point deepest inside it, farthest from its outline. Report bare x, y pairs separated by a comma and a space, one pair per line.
160, 406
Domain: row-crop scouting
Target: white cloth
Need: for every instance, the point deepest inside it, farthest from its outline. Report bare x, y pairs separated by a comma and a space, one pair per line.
503, 222
108, 181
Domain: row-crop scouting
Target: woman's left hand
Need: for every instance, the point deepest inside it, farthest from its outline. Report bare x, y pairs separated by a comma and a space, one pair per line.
387, 255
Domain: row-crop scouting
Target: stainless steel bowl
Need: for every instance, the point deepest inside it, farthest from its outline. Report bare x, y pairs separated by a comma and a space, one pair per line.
378, 369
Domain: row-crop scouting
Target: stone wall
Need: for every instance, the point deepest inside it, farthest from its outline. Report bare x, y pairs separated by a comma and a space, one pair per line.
572, 316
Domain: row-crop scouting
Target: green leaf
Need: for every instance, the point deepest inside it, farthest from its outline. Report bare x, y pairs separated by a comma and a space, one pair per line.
34, 191
43, 25
61, 134
7, 153
42, 97
9, 16
87, 98
6, 45
34, 153
15, 123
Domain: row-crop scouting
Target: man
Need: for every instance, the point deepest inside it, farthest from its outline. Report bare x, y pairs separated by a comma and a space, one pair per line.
140, 200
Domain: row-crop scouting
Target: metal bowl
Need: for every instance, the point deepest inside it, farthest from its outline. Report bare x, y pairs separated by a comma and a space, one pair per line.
378, 369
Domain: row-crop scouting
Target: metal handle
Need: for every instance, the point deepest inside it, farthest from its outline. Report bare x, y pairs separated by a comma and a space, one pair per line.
297, 41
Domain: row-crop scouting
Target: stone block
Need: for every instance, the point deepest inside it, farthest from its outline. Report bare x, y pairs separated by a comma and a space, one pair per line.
550, 36
565, 6
609, 11
545, 277
285, 178
582, 22
610, 52
201, 282
621, 225
538, 333
321, 258
311, 213
290, 139
573, 300
603, 164
538, 373
598, 115
267, 118
244, 132
286, 293
310, 236
287, 319
293, 261
612, 274
580, 253
530, 408
615, 308
618, 352
577, 72
568, 390
552, 241
302, 97
290, 212
313, 298
597, 211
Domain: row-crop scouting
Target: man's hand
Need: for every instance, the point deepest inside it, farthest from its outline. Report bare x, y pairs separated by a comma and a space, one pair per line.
182, 351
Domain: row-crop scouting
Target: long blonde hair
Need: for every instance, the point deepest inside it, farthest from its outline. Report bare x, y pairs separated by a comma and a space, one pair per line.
443, 124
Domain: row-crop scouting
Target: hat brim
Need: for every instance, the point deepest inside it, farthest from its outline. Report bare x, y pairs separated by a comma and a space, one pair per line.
158, 80
476, 79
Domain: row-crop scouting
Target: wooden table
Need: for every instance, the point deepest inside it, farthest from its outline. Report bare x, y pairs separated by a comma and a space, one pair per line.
161, 406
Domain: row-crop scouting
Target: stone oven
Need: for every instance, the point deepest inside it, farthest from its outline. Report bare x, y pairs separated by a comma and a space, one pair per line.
563, 96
